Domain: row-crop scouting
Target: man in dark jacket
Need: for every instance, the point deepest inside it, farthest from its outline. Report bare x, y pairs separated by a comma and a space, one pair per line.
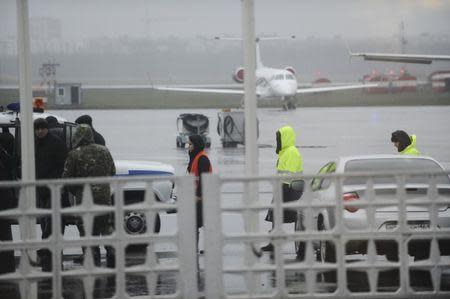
7, 140
8, 200
89, 159
53, 127
86, 119
50, 156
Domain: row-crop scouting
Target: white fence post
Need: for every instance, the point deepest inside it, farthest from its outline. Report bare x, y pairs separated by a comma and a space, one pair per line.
216, 283
187, 249
213, 237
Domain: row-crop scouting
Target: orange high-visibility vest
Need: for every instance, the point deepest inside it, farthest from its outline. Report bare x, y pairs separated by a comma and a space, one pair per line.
194, 166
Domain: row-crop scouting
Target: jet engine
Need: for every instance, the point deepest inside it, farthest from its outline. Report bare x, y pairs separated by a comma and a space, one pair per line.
238, 75
290, 69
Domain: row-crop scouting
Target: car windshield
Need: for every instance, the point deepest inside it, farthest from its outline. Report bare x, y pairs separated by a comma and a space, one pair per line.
394, 165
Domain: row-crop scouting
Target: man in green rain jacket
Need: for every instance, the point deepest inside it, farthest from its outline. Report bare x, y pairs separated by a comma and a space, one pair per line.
405, 144
289, 162
289, 159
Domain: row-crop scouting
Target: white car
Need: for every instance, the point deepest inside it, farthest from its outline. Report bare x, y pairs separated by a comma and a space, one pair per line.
386, 215
135, 222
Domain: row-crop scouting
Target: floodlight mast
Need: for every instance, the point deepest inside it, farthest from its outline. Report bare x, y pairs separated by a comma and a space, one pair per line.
28, 174
251, 147
25, 88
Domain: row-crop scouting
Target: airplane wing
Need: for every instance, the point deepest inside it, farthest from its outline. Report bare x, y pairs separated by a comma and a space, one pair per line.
333, 88
405, 58
205, 90
226, 88
161, 87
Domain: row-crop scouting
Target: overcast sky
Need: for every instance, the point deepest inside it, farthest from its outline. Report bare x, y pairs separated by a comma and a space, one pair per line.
83, 19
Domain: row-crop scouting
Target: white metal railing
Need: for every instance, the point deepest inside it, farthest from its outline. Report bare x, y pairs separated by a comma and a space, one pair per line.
183, 239
358, 275
233, 266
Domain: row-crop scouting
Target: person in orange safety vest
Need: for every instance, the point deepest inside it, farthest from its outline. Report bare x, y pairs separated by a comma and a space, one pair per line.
199, 163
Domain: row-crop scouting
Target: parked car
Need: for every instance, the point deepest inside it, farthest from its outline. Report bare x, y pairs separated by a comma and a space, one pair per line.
386, 216
134, 192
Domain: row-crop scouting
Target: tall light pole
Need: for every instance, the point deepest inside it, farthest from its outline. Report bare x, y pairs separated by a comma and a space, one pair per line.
27, 225
251, 147
25, 88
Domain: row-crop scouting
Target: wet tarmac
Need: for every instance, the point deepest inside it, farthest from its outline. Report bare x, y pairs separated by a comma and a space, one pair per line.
322, 134
166, 283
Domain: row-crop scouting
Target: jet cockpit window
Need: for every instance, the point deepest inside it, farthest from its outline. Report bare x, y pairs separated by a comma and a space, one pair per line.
290, 77
279, 77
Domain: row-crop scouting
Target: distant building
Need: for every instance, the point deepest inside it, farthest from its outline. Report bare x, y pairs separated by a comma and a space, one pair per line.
383, 81
67, 94
440, 81
322, 81
405, 82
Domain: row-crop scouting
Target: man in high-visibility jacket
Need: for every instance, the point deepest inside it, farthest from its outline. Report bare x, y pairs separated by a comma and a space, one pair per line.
289, 162
405, 144
289, 158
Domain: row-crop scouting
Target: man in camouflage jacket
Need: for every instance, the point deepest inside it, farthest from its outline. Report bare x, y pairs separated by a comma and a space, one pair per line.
88, 159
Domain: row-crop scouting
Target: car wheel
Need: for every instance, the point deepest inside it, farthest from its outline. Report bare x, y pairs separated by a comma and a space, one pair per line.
326, 254
135, 223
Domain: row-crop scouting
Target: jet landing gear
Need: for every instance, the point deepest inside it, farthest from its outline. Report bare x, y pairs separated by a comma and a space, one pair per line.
288, 104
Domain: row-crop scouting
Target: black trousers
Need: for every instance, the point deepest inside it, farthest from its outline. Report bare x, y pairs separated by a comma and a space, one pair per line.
289, 216
7, 262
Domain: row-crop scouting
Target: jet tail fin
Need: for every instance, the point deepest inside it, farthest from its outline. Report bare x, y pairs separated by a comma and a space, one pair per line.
259, 63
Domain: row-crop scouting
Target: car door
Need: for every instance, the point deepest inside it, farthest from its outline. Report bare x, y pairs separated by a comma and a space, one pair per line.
68, 131
320, 187
68, 199
321, 183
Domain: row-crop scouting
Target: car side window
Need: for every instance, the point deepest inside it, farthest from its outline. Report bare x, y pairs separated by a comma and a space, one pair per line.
320, 182
69, 130
326, 182
317, 182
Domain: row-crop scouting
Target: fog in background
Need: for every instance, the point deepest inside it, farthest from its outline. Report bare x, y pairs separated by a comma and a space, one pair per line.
171, 41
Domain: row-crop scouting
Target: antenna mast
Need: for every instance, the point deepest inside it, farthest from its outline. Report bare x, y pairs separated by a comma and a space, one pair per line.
403, 41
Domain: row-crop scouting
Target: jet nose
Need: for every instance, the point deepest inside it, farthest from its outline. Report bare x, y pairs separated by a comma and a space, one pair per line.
286, 89
292, 87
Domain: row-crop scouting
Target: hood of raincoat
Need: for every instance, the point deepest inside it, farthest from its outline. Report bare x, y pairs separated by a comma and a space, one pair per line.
83, 136
402, 138
285, 138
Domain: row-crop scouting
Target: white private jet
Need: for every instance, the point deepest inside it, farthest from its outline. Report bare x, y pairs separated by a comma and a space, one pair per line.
270, 82
405, 58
